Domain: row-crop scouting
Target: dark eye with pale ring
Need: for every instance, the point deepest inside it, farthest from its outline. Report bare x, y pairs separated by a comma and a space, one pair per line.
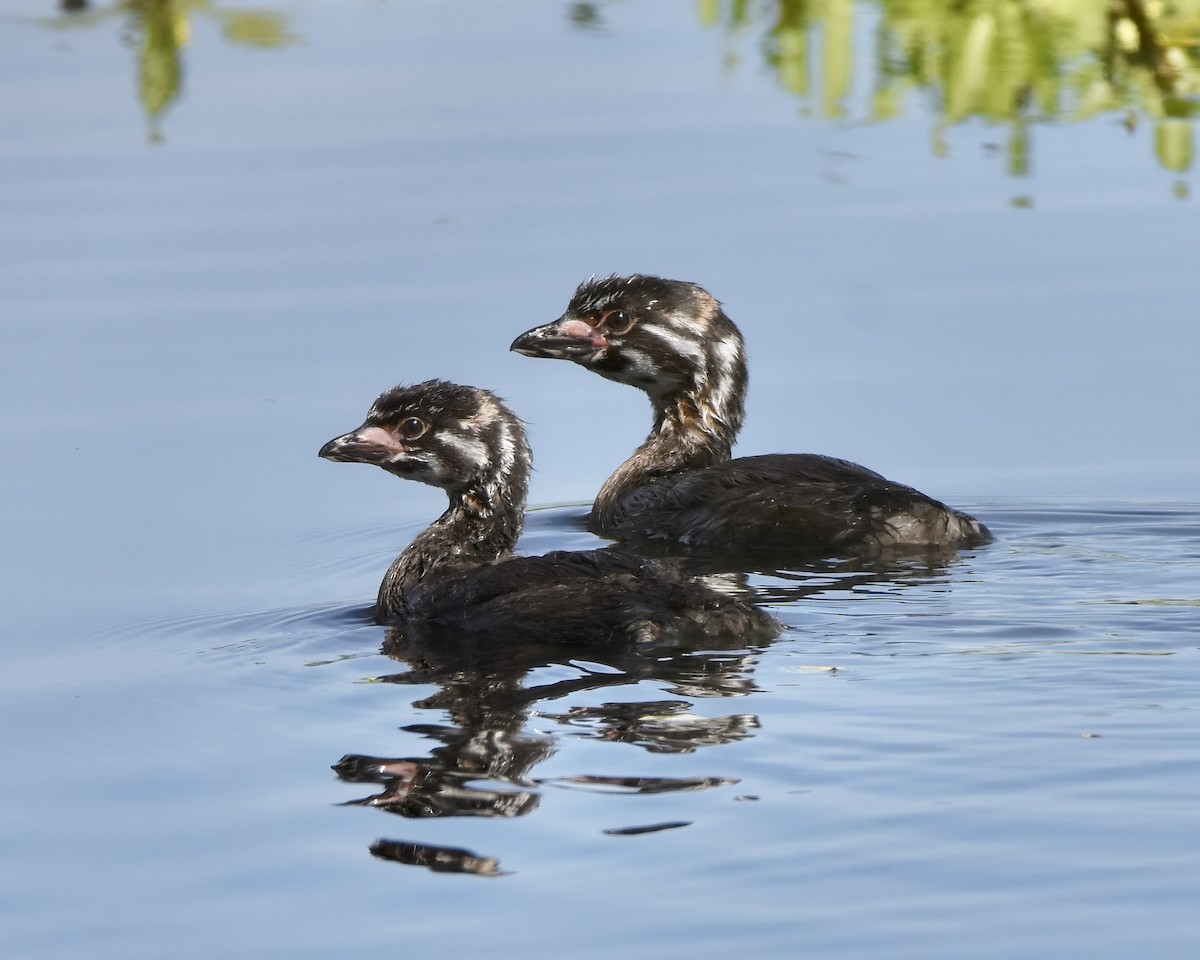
412, 428
617, 321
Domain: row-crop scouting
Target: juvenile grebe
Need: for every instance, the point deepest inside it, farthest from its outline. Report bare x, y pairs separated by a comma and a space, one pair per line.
459, 576
672, 340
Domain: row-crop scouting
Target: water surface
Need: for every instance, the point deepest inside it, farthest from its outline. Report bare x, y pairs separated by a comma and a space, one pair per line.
990, 758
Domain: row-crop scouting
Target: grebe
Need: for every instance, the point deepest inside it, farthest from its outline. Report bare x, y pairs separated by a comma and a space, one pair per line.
459, 578
672, 340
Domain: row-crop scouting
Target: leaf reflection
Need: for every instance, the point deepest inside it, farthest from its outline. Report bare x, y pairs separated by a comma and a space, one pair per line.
160, 30
1009, 62
160, 73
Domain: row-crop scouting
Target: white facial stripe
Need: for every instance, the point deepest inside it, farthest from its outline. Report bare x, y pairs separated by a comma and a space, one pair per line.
726, 354
487, 413
473, 449
695, 328
495, 422
507, 448
725, 357
680, 345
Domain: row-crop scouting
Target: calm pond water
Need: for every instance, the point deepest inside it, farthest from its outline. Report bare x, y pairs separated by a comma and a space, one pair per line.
227, 229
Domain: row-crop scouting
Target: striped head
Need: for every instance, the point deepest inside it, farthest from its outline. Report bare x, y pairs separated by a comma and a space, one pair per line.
462, 439
669, 338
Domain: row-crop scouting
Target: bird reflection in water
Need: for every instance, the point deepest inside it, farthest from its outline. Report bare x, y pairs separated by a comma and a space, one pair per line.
483, 765
486, 753
664, 726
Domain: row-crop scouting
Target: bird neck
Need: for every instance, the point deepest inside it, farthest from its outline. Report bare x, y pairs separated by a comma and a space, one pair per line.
481, 525
690, 432
699, 406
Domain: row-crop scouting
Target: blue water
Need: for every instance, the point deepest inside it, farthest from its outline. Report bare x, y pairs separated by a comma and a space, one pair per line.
993, 758
983, 759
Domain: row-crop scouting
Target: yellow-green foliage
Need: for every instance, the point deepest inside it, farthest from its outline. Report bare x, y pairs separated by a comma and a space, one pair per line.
1012, 62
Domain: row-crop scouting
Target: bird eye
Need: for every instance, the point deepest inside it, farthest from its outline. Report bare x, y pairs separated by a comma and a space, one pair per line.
617, 321
412, 428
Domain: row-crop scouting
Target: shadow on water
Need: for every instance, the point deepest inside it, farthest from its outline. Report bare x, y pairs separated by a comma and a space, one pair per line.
1010, 63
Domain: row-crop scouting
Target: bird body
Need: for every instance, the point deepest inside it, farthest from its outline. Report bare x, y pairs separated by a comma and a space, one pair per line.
780, 504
